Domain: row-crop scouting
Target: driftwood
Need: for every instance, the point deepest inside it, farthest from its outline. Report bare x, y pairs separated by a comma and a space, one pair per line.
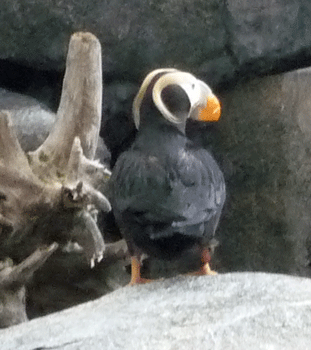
54, 193
12, 285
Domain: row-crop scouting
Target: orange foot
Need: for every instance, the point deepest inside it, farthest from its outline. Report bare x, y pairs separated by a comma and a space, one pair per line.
135, 273
205, 268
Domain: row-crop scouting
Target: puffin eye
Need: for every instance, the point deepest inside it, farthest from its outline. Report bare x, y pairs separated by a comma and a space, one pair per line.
193, 86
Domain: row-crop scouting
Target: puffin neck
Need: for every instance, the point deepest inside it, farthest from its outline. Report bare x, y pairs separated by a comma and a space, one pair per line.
160, 136
154, 120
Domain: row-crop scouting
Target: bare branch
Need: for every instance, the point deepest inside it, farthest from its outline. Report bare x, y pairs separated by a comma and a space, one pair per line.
22, 272
98, 199
11, 153
86, 226
79, 112
74, 161
82, 195
91, 171
12, 285
18, 192
23, 201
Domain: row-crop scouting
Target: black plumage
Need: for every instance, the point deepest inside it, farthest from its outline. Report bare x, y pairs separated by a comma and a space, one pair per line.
167, 194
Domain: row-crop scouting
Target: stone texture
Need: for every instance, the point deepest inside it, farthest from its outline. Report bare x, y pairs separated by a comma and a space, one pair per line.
231, 311
263, 140
269, 32
117, 126
222, 40
32, 120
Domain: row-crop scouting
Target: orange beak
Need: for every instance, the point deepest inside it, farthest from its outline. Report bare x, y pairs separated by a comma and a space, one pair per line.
211, 111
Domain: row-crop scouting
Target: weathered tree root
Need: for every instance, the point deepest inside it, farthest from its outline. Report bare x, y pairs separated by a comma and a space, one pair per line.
12, 285
54, 193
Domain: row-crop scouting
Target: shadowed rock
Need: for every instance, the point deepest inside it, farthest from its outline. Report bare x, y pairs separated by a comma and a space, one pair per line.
31, 119
263, 140
222, 40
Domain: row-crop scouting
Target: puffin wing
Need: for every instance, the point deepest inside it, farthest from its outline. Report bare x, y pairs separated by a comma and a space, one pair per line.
182, 191
201, 185
140, 185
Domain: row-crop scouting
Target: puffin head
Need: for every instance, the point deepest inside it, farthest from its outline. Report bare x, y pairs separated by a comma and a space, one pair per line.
177, 96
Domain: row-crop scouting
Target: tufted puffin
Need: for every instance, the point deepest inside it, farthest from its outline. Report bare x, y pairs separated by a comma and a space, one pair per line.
167, 194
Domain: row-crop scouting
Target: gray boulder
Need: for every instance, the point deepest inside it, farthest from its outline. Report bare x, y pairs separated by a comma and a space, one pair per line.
221, 40
32, 120
263, 145
269, 36
231, 311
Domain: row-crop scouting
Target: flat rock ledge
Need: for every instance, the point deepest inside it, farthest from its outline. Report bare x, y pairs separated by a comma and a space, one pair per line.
229, 311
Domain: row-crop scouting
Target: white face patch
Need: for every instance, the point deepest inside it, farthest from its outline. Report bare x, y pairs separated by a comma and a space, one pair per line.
197, 91
141, 93
193, 91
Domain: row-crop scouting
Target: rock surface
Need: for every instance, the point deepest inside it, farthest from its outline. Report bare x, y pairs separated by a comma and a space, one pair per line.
231, 311
263, 145
222, 40
32, 120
